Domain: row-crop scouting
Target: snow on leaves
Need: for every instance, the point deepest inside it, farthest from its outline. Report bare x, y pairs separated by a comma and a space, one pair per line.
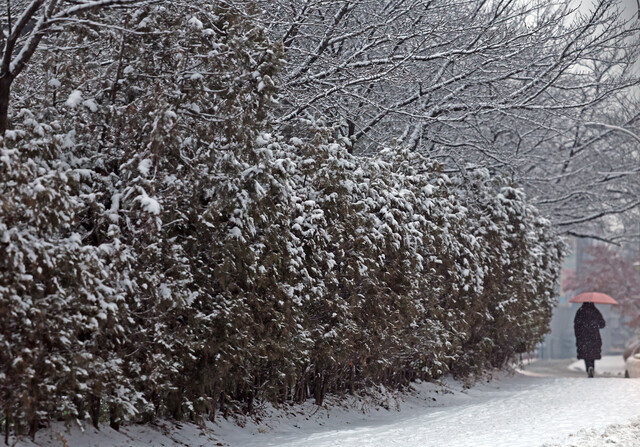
166, 251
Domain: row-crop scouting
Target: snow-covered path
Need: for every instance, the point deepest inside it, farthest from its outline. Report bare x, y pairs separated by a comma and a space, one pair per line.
548, 403
519, 413
529, 409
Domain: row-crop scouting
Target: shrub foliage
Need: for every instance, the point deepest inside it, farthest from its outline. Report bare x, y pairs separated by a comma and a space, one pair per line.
165, 251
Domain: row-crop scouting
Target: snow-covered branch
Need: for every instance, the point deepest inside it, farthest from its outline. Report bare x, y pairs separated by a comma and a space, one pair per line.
509, 85
32, 26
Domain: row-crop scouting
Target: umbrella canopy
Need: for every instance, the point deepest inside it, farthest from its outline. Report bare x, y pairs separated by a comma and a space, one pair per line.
593, 297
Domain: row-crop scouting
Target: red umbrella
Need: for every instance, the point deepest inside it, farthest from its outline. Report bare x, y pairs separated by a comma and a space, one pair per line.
593, 297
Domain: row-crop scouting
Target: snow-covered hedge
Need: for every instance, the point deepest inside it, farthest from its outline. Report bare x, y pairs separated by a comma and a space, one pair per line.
309, 270
166, 251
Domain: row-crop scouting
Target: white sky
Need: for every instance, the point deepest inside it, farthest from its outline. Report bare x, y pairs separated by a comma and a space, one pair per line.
630, 6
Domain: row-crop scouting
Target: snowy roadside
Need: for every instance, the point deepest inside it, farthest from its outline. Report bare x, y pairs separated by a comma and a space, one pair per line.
523, 411
379, 406
544, 404
625, 435
608, 366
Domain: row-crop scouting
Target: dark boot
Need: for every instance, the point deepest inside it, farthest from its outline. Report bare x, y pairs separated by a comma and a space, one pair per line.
589, 366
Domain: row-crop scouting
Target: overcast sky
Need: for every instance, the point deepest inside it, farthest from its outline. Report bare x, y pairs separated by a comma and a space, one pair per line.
630, 6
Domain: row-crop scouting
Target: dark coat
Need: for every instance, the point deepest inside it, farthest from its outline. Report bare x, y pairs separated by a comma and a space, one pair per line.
586, 326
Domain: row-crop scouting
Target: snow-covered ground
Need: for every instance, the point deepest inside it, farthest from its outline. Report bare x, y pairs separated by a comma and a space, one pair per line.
608, 366
621, 435
545, 403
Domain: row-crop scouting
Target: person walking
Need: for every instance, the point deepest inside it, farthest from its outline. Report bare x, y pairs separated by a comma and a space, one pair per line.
586, 326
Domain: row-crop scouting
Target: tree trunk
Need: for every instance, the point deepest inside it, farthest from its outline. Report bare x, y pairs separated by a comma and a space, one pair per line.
94, 410
5, 90
114, 417
319, 388
7, 426
216, 399
250, 403
352, 379
223, 408
33, 427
